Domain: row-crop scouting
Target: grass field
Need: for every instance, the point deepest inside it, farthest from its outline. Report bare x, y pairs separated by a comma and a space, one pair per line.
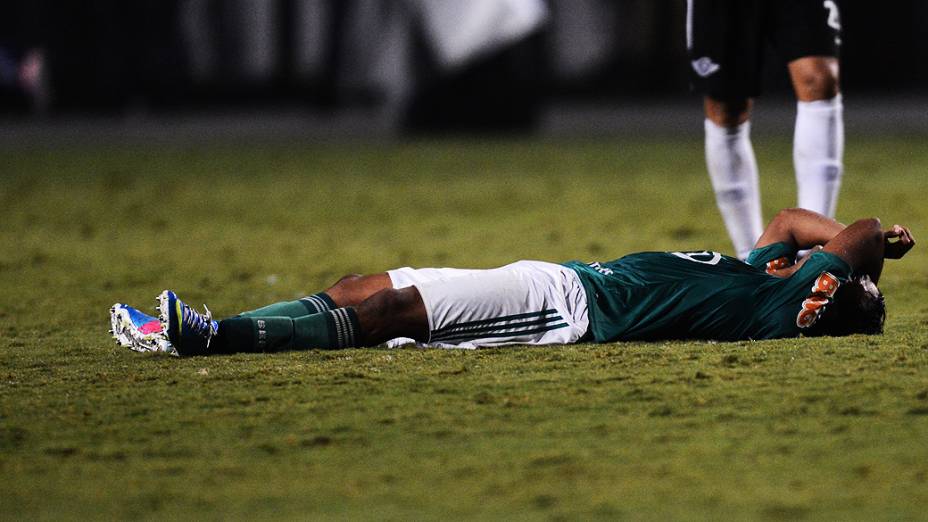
781, 430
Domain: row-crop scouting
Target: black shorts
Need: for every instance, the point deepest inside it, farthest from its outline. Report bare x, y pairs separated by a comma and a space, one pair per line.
727, 39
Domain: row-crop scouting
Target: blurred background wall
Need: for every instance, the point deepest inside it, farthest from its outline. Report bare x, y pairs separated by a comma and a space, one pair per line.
421, 65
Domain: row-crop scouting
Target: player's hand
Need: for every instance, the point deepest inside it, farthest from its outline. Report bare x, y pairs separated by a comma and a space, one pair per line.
814, 249
902, 244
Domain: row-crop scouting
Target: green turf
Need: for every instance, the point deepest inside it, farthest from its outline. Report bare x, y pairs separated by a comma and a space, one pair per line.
818, 429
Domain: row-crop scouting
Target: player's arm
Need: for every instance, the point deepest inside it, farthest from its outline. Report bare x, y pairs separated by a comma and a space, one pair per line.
864, 245
800, 228
804, 229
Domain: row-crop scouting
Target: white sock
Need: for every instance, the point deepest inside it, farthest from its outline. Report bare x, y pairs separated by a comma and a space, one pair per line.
818, 152
733, 171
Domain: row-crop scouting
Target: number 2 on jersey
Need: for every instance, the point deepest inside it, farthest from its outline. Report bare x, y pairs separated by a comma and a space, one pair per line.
834, 18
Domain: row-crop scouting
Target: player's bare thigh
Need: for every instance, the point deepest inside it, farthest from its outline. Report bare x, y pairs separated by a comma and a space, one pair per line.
383, 312
392, 313
728, 113
352, 290
814, 77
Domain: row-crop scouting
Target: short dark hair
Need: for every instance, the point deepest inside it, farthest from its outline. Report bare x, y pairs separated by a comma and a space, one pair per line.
857, 308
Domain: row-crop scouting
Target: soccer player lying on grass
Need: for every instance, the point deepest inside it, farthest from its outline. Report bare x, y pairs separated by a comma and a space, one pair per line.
644, 296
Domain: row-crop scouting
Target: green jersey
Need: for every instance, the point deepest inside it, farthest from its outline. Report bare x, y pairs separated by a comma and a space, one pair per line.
706, 295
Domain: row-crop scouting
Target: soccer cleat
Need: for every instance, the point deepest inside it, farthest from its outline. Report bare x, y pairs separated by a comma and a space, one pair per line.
138, 331
188, 331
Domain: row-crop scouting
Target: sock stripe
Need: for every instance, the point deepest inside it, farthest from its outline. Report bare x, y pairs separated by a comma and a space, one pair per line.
352, 316
343, 333
485, 322
339, 328
332, 328
326, 301
349, 332
351, 322
479, 329
318, 303
343, 323
310, 305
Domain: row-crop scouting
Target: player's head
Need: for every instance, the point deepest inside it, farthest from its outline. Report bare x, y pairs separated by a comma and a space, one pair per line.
857, 307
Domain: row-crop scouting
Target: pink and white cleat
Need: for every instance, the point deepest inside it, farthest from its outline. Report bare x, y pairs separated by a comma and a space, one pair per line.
138, 331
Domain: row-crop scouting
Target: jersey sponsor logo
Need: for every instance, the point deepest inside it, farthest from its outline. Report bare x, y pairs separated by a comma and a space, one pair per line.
600, 268
705, 67
705, 257
823, 290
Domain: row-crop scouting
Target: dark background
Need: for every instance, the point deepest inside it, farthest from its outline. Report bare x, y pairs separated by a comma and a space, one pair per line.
112, 57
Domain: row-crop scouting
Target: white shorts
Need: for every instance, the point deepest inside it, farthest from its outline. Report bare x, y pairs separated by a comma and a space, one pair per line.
526, 302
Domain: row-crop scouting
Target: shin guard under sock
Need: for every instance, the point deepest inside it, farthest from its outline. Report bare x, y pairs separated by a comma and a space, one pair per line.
733, 171
818, 153
329, 330
313, 304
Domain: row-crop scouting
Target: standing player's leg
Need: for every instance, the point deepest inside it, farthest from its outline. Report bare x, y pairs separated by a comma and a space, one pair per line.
808, 36
818, 143
733, 171
725, 44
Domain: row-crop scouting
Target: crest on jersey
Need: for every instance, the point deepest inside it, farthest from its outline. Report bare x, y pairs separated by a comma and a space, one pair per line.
705, 67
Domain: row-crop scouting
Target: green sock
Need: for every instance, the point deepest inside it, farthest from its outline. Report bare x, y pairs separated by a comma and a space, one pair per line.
336, 328
313, 304
329, 330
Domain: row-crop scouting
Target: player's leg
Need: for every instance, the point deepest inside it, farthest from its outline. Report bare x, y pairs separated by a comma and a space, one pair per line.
808, 36
370, 310
818, 142
528, 302
329, 319
348, 291
724, 39
393, 313
733, 170
384, 315
386, 303
353, 289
